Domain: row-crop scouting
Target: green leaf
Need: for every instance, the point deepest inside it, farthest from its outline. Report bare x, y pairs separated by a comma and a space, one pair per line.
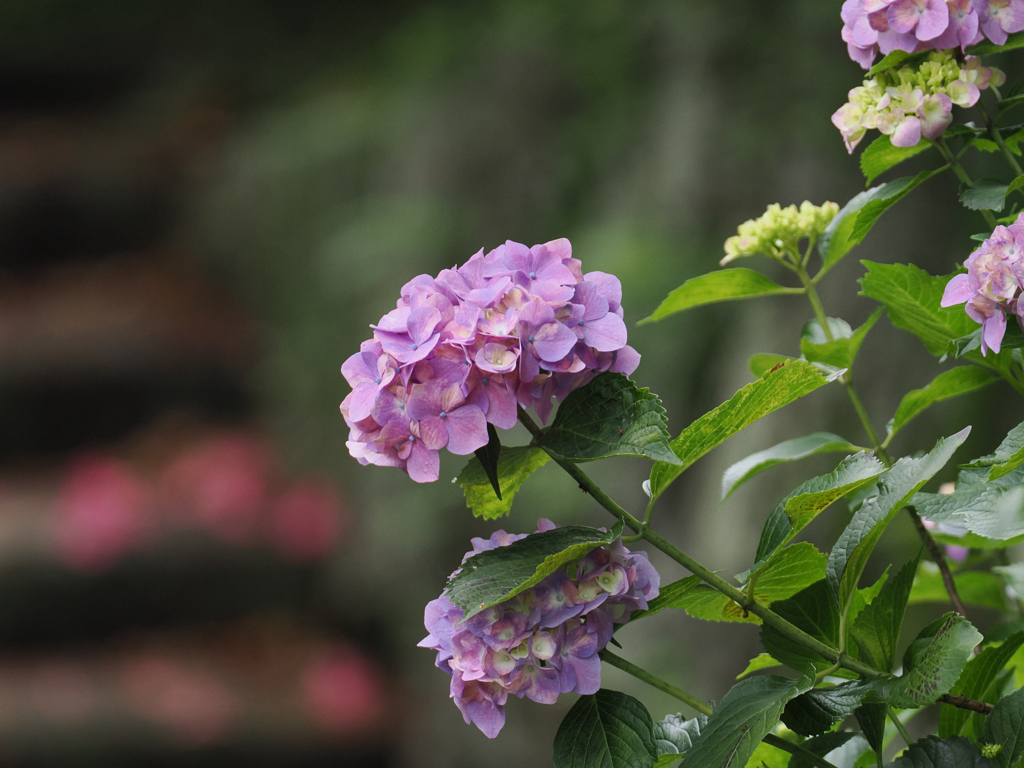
1013, 576
974, 682
844, 756
606, 730
762, 362
488, 458
979, 588
896, 487
790, 450
932, 663
785, 574
747, 714
514, 466
610, 416
835, 242
842, 350
817, 710
933, 752
884, 198
896, 59
726, 285
957, 381
814, 611
490, 577
862, 598
911, 297
877, 629
778, 387
1014, 41
871, 719
668, 595
880, 155
824, 745
993, 509
760, 662
811, 498
675, 735
1007, 457
984, 195
1005, 725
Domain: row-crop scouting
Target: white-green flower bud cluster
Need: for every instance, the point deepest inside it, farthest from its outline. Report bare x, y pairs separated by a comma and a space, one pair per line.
779, 231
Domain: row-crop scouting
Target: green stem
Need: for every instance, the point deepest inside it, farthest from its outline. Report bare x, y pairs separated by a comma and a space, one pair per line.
961, 174
760, 610
997, 137
585, 483
900, 727
703, 707
858, 406
656, 682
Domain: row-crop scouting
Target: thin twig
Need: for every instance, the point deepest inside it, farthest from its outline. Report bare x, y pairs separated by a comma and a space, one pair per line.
940, 560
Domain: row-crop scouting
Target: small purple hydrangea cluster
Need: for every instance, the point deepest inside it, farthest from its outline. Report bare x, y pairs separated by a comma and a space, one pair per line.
545, 640
873, 26
993, 283
517, 326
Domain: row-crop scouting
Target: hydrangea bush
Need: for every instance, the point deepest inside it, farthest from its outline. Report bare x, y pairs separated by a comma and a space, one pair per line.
467, 354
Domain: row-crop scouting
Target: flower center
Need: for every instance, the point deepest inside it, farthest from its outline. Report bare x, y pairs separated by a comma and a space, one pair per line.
377, 380
485, 380
530, 337
442, 415
415, 346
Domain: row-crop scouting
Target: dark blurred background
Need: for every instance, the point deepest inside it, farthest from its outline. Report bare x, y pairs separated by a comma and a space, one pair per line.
204, 205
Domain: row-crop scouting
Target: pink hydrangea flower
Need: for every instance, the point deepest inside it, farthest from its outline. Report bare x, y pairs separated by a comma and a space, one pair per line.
990, 290
514, 327
545, 640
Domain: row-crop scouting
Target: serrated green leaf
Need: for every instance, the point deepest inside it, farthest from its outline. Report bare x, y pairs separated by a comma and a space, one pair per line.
668, 595
896, 487
814, 611
974, 588
880, 155
760, 662
726, 285
871, 719
762, 362
811, 498
514, 466
1007, 457
666, 760
824, 746
835, 241
1009, 103
747, 713
777, 388
1012, 576
610, 416
840, 352
911, 297
974, 682
844, 756
877, 629
951, 383
993, 509
932, 663
933, 752
606, 730
1016, 40
862, 598
817, 710
984, 195
1005, 725
887, 195
490, 577
790, 450
785, 574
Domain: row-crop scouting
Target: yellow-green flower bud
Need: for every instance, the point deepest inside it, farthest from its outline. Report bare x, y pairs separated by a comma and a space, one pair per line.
779, 231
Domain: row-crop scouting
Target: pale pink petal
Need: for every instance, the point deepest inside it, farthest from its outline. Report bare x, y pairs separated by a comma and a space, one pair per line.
958, 290
467, 429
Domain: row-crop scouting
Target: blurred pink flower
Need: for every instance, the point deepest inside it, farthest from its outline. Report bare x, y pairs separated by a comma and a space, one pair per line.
100, 513
344, 690
306, 520
222, 483
197, 708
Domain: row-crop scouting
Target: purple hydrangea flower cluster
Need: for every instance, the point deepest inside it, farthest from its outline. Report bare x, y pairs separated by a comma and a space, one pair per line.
545, 640
873, 26
992, 286
516, 326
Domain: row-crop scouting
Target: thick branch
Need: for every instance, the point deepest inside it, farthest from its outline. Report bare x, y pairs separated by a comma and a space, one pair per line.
964, 703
